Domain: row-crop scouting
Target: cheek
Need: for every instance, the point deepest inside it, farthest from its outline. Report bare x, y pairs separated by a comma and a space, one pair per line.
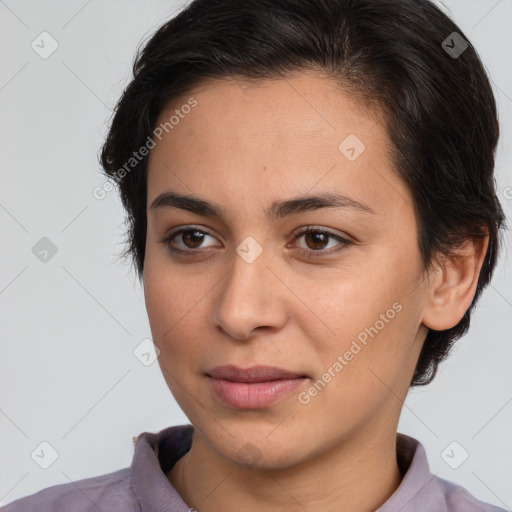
167, 293
176, 308
342, 303
367, 317
174, 321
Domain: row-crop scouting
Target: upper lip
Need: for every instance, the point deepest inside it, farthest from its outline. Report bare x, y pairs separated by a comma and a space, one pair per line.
254, 374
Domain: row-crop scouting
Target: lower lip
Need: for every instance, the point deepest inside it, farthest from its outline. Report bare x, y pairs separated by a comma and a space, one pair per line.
255, 395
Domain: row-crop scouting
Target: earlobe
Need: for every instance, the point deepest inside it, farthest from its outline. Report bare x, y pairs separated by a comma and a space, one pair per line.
453, 284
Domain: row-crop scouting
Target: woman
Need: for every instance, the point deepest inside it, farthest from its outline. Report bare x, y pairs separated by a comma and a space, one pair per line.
311, 206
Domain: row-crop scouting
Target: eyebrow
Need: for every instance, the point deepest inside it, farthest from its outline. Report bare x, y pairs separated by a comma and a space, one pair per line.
278, 209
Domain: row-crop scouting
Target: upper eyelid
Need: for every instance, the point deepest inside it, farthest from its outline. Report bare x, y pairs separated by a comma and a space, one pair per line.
184, 229
296, 231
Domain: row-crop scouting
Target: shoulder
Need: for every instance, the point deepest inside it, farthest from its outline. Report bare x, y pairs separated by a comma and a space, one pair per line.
105, 492
459, 499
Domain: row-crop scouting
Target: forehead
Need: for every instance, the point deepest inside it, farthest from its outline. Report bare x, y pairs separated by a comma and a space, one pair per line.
274, 138
295, 108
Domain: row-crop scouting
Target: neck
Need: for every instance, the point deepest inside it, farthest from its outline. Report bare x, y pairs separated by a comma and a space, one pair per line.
357, 475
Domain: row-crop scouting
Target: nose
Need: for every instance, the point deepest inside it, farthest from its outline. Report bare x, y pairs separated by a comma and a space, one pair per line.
250, 297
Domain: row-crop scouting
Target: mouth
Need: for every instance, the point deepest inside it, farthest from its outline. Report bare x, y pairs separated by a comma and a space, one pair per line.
251, 375
253, 388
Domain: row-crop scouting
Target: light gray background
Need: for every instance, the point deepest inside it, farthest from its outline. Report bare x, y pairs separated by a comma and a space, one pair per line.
69, 326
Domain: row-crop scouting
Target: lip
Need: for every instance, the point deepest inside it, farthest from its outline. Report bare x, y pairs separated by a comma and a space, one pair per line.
254, 374
255, 387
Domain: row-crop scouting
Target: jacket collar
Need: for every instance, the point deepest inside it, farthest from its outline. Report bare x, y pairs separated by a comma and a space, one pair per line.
156, 453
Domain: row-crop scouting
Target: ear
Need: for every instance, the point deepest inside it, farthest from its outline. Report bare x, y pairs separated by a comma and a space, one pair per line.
452, 286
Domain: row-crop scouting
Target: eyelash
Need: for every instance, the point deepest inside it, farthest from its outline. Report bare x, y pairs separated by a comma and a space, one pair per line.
308, 253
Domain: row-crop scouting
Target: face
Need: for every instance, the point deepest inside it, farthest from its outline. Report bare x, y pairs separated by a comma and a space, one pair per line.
340, 306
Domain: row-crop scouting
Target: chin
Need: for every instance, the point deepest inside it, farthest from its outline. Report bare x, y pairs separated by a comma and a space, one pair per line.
259, 456
256, 449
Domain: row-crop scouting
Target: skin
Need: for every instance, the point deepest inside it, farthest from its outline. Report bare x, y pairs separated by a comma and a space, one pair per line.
245, 147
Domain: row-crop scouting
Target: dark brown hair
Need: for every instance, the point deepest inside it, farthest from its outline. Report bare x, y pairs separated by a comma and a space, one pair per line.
406, 56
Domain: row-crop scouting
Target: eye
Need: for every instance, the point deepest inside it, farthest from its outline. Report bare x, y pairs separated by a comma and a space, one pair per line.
317, 239
191, 237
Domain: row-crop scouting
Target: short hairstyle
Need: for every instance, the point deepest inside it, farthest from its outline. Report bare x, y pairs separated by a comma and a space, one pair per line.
438, 108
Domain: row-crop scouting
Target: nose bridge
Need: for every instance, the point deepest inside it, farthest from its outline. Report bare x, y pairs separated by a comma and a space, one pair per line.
247, 298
